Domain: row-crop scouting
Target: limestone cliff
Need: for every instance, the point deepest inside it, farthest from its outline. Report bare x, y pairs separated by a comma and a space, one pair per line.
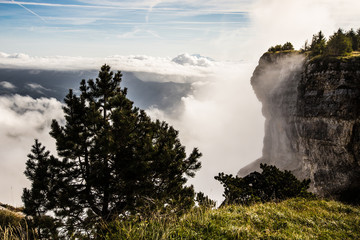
312, 126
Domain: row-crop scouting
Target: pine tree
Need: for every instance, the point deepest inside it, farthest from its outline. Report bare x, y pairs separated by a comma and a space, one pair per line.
339, 44
318, 43
354, 38
39, 172
115, 161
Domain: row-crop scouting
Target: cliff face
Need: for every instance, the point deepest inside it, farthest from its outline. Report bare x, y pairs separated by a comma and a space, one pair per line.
312, 125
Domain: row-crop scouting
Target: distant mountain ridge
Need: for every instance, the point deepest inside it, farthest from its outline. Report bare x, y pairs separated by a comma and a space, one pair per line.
51, 83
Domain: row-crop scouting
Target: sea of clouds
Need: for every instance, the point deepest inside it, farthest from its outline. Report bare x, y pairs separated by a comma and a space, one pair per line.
218, 113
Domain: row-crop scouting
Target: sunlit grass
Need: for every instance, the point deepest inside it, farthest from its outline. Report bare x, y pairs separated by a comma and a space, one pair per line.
351, 55
14, 233
13, 226
291, 219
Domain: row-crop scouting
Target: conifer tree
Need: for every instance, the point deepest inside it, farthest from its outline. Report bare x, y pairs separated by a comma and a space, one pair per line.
114, 160
354, 38
338, 44
39, 172
318, 43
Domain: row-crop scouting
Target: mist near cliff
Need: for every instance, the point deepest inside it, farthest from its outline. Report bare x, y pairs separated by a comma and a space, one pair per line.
275, 83
210, 102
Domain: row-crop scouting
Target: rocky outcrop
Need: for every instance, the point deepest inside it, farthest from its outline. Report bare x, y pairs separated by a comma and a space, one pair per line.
312, 126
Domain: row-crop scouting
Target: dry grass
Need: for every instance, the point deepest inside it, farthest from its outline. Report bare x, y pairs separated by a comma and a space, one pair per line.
291, 219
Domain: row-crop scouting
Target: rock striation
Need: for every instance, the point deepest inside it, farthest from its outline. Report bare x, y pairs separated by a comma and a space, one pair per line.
312, 126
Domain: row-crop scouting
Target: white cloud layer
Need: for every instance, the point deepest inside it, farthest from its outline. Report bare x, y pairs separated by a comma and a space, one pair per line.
7, 85
183, 68
22, 119
193, 60
222, 116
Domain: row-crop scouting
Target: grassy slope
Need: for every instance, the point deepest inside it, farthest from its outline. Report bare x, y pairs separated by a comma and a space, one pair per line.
291, 219
12, 224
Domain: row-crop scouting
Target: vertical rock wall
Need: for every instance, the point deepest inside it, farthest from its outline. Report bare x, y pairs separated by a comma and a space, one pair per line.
312, 125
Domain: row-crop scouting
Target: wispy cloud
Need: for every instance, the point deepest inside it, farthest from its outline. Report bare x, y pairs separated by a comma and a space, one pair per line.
132, 63
21, 120
27, 9
7, 85
139, 33
149, 6
38, 88
90, 4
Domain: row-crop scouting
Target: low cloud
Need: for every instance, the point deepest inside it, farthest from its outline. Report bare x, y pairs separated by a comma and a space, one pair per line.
221, 117
7, 85
37, 88
193, 60
184, 68
212, 106
22, 119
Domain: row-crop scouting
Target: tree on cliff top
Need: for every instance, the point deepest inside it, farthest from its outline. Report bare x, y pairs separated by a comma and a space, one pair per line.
354, 38
286, 47
339, 44
318, 44
114, 161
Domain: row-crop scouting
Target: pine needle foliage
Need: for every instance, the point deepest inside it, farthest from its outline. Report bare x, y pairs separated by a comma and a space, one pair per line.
114, 161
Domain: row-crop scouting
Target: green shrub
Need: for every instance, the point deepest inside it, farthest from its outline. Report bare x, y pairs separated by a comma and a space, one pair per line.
269, 185
286, 47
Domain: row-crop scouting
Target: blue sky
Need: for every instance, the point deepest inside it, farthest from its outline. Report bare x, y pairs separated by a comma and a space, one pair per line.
220, 29
103, 28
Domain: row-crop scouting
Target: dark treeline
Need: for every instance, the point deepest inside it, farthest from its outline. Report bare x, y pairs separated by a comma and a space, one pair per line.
341, 43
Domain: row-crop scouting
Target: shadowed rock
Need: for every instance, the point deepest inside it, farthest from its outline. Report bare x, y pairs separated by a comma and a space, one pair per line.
312, 126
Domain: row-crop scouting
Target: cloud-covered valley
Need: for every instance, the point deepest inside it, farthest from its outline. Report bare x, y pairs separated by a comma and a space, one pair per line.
211, 103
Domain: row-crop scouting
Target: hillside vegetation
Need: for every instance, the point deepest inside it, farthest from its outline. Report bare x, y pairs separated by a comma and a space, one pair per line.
291, 219
340, 44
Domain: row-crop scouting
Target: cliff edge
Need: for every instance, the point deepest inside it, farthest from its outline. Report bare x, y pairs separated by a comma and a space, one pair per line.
312, 126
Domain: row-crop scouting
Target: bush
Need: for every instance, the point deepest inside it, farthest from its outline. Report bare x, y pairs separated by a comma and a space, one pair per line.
269, 185
275, 49
286, 47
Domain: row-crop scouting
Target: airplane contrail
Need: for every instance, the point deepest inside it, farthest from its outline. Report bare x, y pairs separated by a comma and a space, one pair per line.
29, 10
